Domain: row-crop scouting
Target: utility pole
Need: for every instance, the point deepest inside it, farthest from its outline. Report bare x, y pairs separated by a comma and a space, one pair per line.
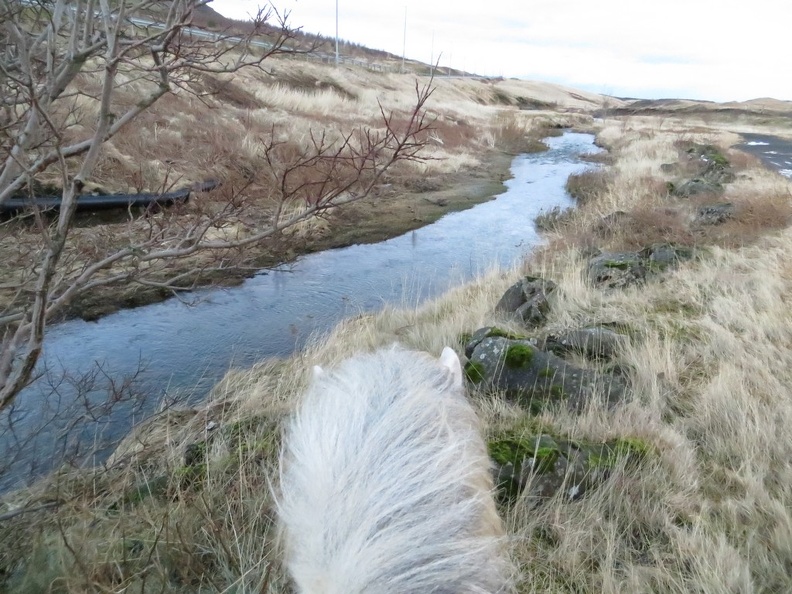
404, 45
336, 33
431, 61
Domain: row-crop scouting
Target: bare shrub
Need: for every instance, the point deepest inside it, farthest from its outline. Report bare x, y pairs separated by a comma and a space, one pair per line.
754, 216
555, 219
55, 265
645, 225
588, 186
512, 135
601, 158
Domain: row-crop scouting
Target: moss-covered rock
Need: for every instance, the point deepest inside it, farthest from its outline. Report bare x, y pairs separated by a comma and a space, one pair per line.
536, 378
593, 343
540, 465
528, 300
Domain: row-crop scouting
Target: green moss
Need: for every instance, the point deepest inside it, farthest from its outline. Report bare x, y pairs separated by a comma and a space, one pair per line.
496, 332
670, 187
610, 454
519, 356
514, 450
547, 372
545, 460
557, 392
718, 158
474, 372
634, 447
619, 264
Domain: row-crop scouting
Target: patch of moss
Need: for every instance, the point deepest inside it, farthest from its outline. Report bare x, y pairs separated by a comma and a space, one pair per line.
547, 372
631, 449
545, 459
519, 356
718, 158
634, 447
514, 450
557, 392
474, 372
618, 264
496, 332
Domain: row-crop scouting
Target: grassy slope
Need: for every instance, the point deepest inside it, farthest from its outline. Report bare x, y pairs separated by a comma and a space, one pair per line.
709, 366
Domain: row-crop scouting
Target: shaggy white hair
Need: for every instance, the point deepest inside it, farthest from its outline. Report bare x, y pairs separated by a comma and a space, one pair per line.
386, 485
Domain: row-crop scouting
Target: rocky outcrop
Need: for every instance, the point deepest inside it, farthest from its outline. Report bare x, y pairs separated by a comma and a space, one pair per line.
535, 378
528, 300
592, 343
623, 269
714, 172
714, 214
696, 186
541, 466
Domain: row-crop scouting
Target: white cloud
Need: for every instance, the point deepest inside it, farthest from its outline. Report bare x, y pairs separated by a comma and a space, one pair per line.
693, 48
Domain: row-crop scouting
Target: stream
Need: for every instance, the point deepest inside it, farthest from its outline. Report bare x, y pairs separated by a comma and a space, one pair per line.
100, 378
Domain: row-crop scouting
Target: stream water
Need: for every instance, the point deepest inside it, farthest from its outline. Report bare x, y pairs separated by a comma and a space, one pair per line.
180, 345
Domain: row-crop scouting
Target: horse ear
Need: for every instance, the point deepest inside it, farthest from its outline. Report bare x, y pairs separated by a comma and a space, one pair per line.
450, 360
318, 372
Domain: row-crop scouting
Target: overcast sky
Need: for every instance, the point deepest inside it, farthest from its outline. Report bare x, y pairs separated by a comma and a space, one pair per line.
700, 49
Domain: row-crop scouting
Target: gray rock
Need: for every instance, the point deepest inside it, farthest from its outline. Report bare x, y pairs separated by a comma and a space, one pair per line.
541, 466
697, 186
616, 269
622, 269
715, 214
491, 331
593, 343
660, 256
528, 299
717, 172
535, 378
669, 167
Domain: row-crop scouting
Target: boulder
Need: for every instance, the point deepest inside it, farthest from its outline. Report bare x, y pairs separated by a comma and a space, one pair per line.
593, 343
622, 269
540, 466
697, 186
616, 269
536, 378
660, 256
714, 214
528, 300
